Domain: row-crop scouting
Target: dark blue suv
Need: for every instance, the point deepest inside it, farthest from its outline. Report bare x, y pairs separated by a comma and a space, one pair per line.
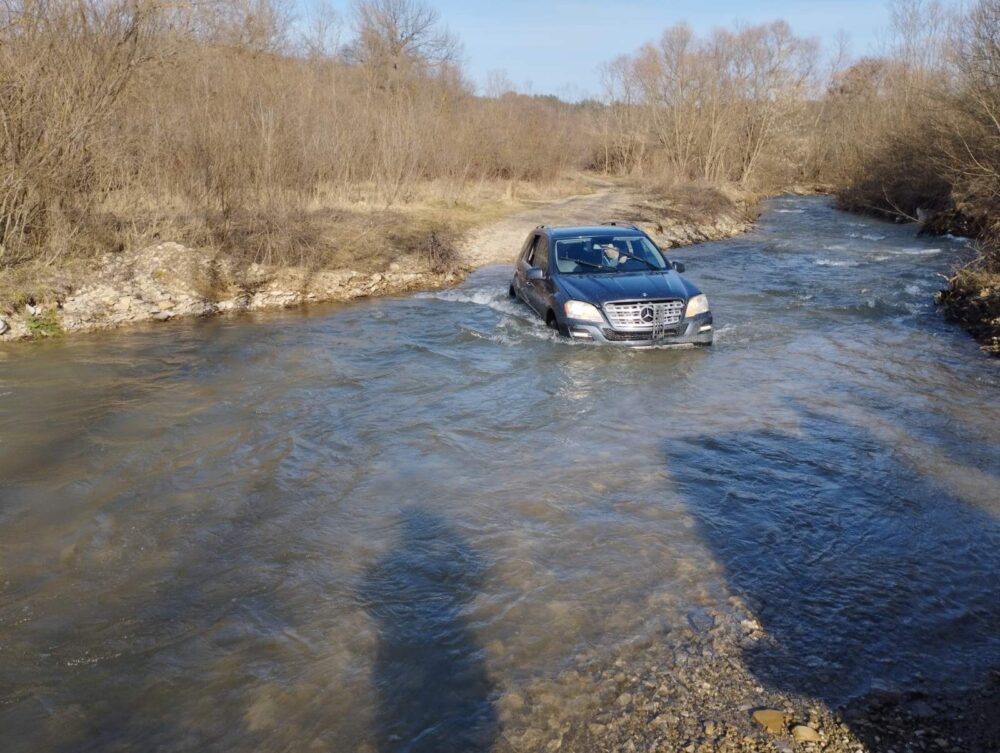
609, 283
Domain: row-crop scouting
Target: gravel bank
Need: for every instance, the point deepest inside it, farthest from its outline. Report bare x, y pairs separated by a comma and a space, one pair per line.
688, 690
167, 280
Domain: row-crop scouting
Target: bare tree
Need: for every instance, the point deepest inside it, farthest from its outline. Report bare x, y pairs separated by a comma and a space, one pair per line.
713, 109
974, 157
321, 35
64, 65
398, 37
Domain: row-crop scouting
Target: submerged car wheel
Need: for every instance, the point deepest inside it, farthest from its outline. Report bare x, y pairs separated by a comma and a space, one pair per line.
552, 322
511, 292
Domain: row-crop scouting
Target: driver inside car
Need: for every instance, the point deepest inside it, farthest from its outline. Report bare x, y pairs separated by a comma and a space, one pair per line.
611, 257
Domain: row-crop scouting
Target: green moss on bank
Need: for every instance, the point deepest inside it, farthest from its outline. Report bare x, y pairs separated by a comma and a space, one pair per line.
45, 324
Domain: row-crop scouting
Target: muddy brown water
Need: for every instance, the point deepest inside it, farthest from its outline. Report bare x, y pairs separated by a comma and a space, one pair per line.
361, 527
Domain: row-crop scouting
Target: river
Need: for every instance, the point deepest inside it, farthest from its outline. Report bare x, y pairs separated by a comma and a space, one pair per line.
363, 526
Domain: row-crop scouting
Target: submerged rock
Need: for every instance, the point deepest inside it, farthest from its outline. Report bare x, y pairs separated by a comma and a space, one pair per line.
770, 719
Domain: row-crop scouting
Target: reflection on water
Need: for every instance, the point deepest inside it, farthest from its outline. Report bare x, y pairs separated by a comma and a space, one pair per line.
271, 533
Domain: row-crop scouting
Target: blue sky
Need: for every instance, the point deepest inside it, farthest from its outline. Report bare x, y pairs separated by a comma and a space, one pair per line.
557, 46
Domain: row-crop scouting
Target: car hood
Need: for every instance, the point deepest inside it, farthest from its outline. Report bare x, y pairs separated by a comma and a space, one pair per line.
599, 288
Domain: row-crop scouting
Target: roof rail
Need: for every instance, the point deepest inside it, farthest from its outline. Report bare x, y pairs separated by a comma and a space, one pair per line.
621, 224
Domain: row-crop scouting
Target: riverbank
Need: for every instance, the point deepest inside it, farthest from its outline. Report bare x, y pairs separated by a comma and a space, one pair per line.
693, 692
972, 295
370, 254
972, 298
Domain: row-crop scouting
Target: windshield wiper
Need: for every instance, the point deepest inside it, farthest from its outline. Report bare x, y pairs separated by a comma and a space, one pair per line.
638, 258
589, 264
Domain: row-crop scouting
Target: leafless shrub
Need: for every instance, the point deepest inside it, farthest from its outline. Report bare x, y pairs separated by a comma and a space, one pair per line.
212, 119
714, 109
917, 131
973, 151
438, 251
64, 65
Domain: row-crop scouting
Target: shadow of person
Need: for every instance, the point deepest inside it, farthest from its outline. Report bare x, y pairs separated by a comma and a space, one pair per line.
868, 579
433, 691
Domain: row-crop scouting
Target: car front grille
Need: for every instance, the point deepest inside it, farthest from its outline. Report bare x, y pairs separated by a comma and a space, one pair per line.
644, 315
616, 336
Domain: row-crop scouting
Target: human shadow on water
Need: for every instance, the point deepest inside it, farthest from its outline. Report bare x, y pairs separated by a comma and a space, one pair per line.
869, 580
434, 693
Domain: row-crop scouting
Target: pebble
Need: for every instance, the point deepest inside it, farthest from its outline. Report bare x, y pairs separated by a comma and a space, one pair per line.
770, 719
804, 734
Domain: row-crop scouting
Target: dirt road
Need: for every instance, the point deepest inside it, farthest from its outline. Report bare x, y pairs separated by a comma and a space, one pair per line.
500, 242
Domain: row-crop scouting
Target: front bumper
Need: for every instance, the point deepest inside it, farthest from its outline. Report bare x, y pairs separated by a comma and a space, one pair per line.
697, 330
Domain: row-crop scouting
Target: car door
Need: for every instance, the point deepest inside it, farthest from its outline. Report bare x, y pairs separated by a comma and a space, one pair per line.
522, 284
535, 292
540, 290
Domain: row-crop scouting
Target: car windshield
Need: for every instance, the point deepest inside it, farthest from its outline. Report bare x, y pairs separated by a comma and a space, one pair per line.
604, 254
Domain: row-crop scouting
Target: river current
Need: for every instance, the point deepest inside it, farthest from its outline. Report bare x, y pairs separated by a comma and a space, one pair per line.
361, 526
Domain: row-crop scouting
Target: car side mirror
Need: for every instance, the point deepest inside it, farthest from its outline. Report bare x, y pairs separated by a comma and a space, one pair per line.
678, 266
536, 273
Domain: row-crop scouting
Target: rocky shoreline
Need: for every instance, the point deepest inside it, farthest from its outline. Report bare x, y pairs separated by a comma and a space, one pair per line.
168, 281
691, 692
972, 300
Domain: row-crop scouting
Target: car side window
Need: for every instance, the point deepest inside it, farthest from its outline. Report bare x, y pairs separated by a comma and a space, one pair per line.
541, 253
529, 251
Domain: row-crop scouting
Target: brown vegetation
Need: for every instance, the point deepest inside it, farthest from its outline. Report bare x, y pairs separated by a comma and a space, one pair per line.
721, 109
125, 121
916, 135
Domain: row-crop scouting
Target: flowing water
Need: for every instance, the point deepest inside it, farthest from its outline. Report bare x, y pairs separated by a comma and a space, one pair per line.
364, 525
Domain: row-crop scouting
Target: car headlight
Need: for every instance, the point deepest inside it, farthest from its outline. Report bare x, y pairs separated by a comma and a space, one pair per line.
583, 311
697, 305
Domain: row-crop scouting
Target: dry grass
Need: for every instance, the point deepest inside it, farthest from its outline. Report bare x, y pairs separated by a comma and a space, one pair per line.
421, 236
125, 120
973, 300
692, 203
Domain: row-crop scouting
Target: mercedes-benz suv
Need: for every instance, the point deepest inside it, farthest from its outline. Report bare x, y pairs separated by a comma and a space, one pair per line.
609, 283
